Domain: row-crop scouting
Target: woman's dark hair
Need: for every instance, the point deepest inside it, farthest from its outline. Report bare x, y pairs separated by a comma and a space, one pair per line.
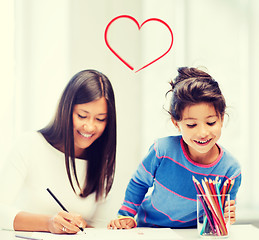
86, 86
192, 86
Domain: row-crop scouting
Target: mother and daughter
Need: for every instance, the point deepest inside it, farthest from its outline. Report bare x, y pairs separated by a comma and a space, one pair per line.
75, 157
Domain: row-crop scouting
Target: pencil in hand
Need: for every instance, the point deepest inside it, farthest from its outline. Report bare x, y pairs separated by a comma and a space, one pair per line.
61, 205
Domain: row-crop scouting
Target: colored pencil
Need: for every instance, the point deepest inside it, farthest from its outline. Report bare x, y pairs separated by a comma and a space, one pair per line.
231, 185
218, 194
223, 193
214, 205
213, 214
206, 210
212, 201
218, 208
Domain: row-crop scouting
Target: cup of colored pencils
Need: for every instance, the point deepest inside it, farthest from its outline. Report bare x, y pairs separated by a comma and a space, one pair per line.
211, 202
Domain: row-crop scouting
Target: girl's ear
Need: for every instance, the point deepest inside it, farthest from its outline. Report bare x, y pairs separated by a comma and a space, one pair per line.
175, 124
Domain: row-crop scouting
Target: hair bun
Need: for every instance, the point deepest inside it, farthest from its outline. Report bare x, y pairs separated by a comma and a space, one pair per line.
186, 73
192, 86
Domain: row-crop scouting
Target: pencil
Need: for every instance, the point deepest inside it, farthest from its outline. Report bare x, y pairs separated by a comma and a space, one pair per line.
25, 237
206, 210
214, 193
219, 209
223, 193
219, 219
61, 205
228, 185
219, 199
231, 185
207, 200
210, 211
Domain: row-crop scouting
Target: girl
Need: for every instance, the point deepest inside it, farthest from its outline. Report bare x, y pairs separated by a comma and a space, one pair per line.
197, 110
74, 156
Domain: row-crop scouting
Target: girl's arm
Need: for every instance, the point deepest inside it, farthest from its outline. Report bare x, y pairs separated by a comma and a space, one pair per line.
233, 194
136, 190
105, 210
232, 211
122, 223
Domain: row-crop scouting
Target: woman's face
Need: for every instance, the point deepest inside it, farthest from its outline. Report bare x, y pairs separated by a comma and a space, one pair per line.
89, 122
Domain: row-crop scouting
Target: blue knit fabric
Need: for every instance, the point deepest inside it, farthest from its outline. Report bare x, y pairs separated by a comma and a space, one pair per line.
168, 169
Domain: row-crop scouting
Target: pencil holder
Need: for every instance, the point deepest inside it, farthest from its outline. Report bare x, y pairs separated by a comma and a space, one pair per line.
211, 221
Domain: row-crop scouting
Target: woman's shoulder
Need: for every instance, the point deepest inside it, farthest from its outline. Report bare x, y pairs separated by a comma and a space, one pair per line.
30, 141
30, 137
33, 144
24, 147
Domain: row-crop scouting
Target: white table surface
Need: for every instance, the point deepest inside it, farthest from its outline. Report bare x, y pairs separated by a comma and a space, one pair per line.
236, 232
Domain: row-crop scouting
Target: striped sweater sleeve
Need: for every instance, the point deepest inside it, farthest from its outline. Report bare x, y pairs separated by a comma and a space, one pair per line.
139, 184
236, 175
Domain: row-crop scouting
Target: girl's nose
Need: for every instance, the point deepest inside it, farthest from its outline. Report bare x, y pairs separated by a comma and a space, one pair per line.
203, 131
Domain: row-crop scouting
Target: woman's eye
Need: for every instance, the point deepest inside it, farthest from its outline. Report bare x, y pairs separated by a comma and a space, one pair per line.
80, 116
191, 125
101, 120
211, 123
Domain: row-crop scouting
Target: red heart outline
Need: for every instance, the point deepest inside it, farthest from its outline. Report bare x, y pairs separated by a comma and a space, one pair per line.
139, 27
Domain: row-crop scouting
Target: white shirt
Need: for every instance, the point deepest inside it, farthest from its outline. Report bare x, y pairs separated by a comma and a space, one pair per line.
33, 166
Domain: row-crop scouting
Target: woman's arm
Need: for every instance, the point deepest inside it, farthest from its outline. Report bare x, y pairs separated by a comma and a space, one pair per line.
12, 176
63, 222
24, 221
20, 178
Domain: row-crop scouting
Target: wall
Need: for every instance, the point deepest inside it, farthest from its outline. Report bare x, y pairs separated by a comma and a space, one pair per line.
55, 39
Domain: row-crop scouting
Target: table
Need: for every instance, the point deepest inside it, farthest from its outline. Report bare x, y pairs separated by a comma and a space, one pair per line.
236, 232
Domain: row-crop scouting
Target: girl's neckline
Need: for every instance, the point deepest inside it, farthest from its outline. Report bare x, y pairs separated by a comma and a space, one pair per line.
199, 164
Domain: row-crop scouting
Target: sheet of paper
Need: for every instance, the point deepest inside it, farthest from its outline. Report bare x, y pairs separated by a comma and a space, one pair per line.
106, 234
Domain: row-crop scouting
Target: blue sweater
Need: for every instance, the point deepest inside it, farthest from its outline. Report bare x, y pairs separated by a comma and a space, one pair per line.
168, 169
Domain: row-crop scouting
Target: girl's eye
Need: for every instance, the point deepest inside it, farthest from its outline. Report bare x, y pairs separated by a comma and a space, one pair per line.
191, 125
211, 123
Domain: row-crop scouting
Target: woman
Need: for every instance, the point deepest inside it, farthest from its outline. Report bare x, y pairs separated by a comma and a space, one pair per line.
74, 156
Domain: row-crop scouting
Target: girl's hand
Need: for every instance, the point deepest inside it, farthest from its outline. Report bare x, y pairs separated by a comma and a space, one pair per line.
65, 222
232, 211
123, 223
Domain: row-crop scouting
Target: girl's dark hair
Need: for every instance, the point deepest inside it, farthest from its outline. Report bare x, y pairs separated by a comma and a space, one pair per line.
192, 86
86, 86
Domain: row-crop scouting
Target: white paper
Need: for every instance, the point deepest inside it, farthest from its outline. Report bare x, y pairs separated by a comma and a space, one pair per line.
123, 234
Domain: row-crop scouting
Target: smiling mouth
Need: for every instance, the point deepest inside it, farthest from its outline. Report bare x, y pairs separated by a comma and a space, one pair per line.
85, 135
202, 142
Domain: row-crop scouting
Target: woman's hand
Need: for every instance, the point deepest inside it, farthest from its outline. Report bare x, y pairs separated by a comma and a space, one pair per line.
232, 211
122, 223
65, 223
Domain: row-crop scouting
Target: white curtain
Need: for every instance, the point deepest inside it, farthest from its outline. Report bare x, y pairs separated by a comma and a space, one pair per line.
45, 42
7, 75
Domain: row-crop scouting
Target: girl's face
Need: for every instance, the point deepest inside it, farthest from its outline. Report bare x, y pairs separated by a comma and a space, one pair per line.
89, 121
201, 128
